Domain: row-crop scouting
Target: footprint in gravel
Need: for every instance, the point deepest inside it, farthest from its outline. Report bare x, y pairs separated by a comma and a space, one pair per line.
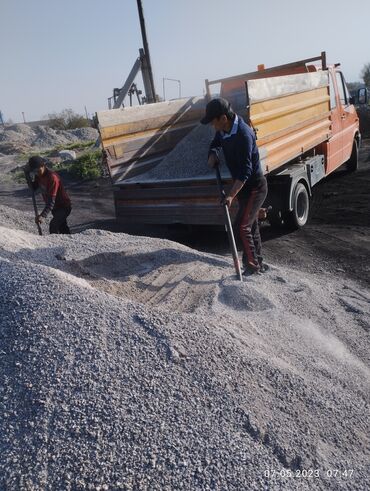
280, 279
355, 301
244, 297
117, 265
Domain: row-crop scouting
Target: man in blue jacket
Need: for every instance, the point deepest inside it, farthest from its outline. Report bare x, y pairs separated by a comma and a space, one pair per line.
238, 142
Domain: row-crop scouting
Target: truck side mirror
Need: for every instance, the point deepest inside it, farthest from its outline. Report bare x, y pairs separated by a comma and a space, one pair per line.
362, 95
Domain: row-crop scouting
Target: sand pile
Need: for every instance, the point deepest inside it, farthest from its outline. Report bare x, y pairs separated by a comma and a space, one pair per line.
188, 159
137, 363
21, 137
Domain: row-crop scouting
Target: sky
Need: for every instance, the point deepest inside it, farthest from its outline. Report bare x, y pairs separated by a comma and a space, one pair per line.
58, 54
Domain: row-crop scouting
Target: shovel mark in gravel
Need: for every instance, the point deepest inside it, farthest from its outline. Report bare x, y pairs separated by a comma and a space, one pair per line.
181, 282
244, 298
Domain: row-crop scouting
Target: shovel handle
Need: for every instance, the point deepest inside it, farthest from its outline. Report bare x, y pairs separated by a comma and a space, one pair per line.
229, 227
29, 182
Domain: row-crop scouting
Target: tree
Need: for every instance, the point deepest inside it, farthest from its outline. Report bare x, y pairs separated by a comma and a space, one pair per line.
354, 86
365, 74
67, 120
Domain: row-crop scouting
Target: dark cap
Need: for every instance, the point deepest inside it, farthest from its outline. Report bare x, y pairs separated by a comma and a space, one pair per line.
216, 108
36, 162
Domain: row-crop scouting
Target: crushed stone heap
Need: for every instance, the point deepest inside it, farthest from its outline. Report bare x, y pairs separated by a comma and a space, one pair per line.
22, 137
16, 219
132, 363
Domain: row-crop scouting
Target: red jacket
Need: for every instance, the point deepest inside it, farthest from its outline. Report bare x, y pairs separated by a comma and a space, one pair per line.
53, 191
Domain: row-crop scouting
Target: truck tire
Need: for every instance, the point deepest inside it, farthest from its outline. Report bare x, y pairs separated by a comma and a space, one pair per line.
298, 217
352, 163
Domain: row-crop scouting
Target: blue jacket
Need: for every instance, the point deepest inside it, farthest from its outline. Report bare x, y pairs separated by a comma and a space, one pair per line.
240, 150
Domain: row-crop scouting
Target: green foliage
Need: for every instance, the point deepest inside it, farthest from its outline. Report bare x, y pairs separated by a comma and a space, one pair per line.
23, 157
354, 86
19, 177
365, 74
71, 146
88, 166
67, 120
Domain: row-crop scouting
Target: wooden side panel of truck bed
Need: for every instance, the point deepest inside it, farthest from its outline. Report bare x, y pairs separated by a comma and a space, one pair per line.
135, 139
290, 115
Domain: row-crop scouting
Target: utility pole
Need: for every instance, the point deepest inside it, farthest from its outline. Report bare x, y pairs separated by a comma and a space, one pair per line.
146, 49
24, 119
171, 80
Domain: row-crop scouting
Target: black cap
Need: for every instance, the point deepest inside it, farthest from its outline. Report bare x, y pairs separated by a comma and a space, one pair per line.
36, 162
216, 108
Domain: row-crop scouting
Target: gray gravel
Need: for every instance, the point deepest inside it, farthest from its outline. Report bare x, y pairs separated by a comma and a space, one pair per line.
15, 219
188, 159
21, 137
135, 363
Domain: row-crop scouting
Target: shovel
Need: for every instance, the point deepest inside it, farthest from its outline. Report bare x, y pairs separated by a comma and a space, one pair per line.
229, 227
29, 182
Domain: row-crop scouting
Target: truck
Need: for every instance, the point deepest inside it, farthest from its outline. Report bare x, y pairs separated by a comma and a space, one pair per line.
306, 127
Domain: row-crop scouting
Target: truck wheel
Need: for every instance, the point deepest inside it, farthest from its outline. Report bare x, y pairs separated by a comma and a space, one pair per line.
352, 163
298, 217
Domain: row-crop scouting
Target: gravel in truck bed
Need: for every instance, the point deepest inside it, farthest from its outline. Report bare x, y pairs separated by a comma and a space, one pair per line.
188, 159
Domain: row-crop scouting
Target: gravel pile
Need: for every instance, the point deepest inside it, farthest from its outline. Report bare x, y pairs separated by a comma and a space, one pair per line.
188, 159
84, 134
130, 363
21, 137
18, 220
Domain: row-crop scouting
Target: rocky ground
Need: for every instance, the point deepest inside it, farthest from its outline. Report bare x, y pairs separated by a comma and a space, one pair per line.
21, 138
131, 362
138, 363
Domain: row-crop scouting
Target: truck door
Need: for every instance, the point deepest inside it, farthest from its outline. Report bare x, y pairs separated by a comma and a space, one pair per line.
348, 117
335, 145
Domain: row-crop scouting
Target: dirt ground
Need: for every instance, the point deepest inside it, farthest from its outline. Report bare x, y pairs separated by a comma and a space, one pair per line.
337, 238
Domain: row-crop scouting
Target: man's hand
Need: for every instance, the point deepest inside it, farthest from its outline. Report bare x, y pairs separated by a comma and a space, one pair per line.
213, 160
227, 201
39, 219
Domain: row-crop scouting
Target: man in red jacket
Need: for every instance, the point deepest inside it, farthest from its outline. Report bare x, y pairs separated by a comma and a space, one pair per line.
56, 199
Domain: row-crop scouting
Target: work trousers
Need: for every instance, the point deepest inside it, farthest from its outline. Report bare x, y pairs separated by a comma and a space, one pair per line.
246, 224
58, 224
